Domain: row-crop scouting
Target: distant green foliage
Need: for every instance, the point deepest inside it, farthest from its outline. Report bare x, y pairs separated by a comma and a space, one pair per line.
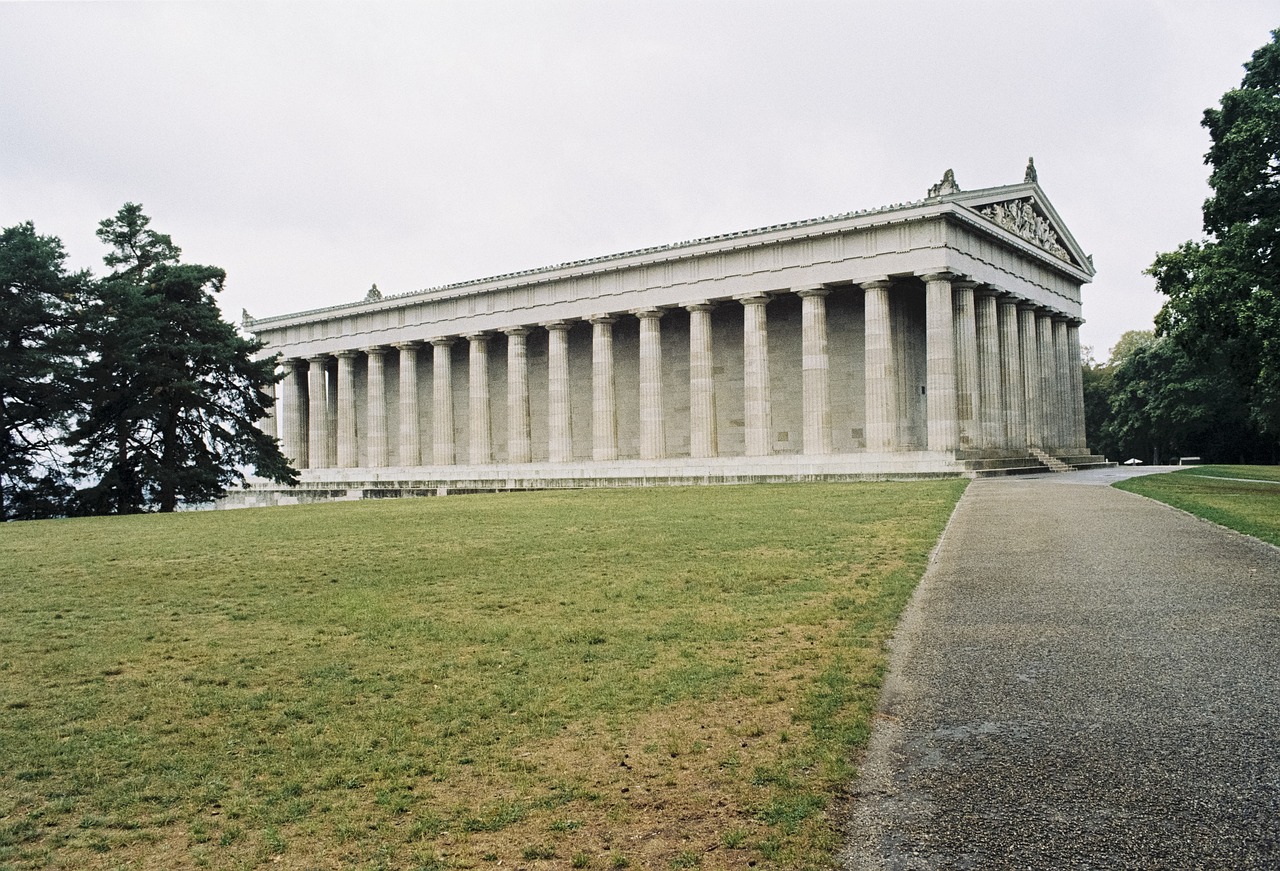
1154, 402
1223, 309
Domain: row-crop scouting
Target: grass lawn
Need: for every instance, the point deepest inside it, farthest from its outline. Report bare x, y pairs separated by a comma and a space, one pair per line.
1245, 498
649, 678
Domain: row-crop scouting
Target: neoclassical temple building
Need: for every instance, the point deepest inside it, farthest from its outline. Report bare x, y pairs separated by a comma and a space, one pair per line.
939, 337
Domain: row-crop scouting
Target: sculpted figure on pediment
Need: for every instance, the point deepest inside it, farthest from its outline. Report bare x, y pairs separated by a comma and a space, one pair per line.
1020, 217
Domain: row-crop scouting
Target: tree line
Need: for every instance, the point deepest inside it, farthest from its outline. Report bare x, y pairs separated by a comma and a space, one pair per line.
126, 392
1206, 381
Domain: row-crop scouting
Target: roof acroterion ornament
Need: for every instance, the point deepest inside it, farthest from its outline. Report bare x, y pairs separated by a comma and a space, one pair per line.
1031, 171
373, 294
946, 186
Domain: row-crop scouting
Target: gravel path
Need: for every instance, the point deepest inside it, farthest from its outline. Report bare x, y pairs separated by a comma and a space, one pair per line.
1084, 679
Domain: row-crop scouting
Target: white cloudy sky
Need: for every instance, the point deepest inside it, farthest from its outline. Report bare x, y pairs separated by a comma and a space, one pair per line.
312, 149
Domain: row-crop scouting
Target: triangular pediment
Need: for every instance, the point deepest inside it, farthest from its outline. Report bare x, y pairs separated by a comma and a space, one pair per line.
1025, 211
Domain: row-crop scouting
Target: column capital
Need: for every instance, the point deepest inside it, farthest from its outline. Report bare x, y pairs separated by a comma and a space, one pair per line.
987, 290
938, 275
407, 346
880, 282
288, 364
811, 290
1026, 305
702, 306
520, 332
442, 341
964, 284
477, 337
647, 313
375, 350
318, 358
753, 298
346, 354
603, 319
556, 326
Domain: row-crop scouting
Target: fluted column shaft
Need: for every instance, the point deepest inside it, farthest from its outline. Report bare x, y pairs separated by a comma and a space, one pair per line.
991, 397
480, 425
348, 447
1028, 343
815, 370
940, 340
653, 430
294, 414
1015, 405
410, 453
443, 450
702, 385
1079, 438
1064, 427
755, 356
968, 399
519, 440
881, 376
1048, 387
604, 400
376, 387
559, 432
331, 416
317, 411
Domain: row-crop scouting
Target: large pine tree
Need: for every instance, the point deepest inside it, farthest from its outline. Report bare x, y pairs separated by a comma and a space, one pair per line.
38, 298
171, 393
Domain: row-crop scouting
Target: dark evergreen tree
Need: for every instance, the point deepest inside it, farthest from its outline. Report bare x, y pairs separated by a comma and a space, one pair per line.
171, 391
1224, 293
37, 300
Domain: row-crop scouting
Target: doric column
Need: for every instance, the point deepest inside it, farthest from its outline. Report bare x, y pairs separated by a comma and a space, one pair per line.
881, 376
755, 365
331, 416
480, 425
1064, 426
1079, 439
559, 432
1029, 358
604, 401
991, 399
1048, 387
519, 441
443, 452
348, 448
410, 453
968, 399
317, 411
376, 387
293, 414
1015, 405
653, 434
940, 340
702, 384
815, 369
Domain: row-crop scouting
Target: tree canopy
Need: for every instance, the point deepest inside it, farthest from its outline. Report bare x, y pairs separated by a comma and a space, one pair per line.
126, 393
1223, 306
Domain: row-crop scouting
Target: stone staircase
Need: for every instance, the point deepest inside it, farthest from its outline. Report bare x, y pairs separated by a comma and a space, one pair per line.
1035, 461
1054, 464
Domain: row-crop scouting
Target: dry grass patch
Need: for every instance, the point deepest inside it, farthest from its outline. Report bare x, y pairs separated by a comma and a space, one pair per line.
650, 679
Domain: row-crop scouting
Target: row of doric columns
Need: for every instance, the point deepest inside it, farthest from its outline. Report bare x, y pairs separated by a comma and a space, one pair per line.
1001, 375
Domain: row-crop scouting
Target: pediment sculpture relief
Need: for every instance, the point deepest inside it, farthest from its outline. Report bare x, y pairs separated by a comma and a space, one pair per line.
1021, 218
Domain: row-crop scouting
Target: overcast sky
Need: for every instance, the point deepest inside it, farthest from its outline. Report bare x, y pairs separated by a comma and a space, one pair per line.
312, 149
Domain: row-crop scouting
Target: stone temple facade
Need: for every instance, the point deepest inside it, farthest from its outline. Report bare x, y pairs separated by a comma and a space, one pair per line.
939, 337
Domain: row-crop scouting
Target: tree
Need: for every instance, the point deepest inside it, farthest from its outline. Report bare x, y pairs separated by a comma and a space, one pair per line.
1224, 292
171, 392
37, 301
